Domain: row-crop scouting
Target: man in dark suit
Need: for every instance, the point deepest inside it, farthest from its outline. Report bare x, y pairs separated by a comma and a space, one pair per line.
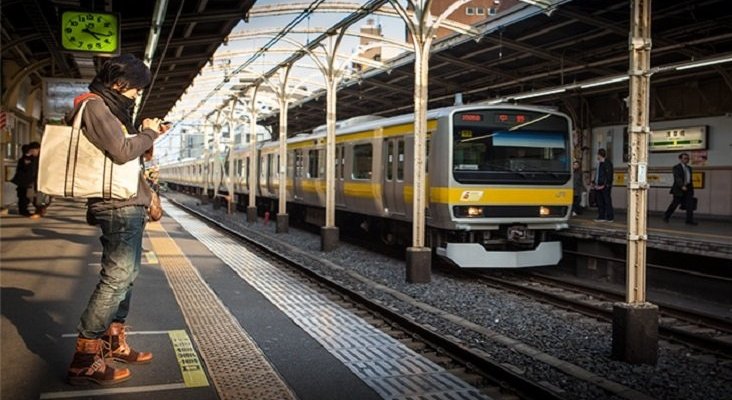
682, 190
603, 187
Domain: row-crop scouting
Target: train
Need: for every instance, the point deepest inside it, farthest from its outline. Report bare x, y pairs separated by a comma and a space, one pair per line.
498, 181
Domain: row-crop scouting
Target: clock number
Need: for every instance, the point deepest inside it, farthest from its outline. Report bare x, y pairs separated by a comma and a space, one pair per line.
89, 46
73, 23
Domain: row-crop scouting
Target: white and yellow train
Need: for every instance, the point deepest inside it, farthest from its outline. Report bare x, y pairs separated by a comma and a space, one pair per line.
499, 179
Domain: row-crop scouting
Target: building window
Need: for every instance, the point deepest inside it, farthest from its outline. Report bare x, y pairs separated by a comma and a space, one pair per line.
469, 11
492, 11
479, 11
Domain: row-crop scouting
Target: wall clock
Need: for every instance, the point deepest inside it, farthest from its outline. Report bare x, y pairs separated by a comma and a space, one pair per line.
92, 32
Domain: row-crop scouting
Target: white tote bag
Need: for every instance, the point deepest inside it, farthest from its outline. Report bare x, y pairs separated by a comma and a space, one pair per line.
71, 166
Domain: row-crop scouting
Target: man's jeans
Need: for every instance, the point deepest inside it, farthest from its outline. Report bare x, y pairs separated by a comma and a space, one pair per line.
121, 239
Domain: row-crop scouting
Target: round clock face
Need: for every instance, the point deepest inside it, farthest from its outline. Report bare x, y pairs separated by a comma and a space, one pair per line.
90, 32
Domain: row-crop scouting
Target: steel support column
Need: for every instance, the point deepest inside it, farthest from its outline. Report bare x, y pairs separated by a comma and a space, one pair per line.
635, 323
422, 27
329, 233
251, 182
282, 217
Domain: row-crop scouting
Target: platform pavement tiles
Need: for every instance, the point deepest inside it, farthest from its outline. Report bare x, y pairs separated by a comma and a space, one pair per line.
236, 365
390, 368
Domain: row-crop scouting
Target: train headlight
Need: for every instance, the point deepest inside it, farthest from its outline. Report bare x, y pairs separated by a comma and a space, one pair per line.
544, 211
475, 211
469, 211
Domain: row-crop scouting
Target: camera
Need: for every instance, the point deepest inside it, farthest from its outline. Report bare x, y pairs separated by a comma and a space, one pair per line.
165, 126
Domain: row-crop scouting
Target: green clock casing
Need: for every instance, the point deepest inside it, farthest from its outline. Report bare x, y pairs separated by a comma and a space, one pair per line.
87, 31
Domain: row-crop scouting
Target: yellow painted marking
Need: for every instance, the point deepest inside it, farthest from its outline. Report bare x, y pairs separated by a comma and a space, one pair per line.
501, 196
458, 195
364, 190
378, 133
190, 365
313, 185
151, 257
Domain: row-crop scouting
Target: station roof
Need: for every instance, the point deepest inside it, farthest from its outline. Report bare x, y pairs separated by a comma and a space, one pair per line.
191, 33
574, 47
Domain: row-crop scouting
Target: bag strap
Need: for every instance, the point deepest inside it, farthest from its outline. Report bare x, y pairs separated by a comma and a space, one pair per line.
73, 152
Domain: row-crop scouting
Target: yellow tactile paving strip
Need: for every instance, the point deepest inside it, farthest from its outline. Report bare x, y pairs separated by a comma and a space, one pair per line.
235, 364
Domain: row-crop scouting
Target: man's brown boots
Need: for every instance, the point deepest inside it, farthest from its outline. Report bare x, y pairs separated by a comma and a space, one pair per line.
118, 349
88, 365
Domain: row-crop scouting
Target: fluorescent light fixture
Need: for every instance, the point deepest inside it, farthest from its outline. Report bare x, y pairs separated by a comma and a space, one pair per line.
704, 63
537, 94
605, 82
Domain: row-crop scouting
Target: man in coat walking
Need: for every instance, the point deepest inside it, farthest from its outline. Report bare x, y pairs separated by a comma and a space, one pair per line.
682, 190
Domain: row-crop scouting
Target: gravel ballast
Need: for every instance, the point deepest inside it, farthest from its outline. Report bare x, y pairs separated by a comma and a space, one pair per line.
581, 346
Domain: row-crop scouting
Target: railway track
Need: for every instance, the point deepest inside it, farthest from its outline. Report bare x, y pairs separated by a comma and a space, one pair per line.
703, 331
459, 329
491, 378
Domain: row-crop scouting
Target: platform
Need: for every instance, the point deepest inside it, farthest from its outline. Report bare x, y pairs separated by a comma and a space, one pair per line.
221, 322
711, 237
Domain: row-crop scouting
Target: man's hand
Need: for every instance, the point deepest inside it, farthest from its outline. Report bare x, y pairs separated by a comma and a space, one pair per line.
153, 124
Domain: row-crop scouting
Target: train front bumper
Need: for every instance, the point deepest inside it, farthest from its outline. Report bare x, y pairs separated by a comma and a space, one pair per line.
474, 255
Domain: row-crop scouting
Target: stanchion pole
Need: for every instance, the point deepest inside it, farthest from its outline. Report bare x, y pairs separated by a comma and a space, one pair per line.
635, 322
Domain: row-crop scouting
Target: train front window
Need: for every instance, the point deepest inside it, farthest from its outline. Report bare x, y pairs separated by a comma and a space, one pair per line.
510, 146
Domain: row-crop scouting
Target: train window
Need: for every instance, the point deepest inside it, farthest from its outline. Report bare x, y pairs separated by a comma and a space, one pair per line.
298, 164
510, 146
246, 175
390, 161
313, 163
340, 162
362, 161
337, 162
400, 160
265, 168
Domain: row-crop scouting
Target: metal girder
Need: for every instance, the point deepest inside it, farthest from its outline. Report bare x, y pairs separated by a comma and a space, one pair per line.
21, 40
42, 27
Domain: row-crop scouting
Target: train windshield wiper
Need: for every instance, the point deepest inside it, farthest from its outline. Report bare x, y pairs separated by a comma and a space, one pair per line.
545, 116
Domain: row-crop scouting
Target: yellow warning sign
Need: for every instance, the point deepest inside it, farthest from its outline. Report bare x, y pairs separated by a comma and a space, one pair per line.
190, 365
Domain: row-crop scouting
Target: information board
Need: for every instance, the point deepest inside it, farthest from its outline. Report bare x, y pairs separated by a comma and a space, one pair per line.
677, 139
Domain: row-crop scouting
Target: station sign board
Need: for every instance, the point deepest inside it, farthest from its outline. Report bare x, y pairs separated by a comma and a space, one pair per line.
59, 94
678, 139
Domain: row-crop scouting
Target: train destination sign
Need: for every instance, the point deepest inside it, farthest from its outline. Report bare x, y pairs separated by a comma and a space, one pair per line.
691, 138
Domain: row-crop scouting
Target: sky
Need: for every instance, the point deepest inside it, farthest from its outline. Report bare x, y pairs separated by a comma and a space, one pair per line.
239, 50
189, 112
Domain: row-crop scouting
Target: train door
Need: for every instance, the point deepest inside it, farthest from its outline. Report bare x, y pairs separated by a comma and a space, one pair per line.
340, 166
394, 176
269, 174
298, 175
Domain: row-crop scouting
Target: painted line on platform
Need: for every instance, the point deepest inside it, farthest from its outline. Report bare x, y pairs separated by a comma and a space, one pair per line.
109, 392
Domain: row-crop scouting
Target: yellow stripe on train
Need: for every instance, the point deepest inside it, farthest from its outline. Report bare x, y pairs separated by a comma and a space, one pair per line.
443, 195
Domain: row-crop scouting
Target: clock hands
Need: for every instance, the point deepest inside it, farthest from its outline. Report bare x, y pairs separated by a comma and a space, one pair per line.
95, 34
